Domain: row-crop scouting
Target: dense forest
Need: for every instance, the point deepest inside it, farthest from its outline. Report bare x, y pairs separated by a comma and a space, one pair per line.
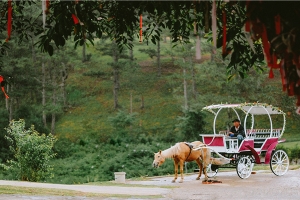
110, 110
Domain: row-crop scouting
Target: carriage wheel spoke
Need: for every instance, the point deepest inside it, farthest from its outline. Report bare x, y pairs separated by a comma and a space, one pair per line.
279, 162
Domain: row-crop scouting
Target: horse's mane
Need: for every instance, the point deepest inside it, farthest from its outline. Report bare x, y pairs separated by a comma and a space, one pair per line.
172, 151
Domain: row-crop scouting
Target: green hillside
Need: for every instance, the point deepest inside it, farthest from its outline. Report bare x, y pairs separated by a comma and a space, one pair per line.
95, 140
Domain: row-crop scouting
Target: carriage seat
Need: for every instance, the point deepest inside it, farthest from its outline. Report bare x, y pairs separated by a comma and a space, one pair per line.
260, 135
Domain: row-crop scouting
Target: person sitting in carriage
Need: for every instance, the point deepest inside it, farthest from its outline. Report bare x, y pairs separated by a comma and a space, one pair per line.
237, 130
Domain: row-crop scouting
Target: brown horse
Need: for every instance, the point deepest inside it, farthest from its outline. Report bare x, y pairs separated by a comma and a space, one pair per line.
182, 152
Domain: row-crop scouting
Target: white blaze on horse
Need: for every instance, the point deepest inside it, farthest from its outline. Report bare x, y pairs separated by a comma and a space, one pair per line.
183, 152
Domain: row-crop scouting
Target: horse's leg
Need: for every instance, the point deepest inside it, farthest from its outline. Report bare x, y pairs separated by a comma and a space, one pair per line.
181, 170
175, 169
206, 160
198, 161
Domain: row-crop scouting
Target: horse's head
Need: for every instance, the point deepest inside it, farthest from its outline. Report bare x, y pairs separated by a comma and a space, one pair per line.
158, 159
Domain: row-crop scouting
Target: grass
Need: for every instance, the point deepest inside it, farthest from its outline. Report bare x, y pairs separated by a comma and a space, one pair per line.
290, 144
111, 183
57, 192
44, 192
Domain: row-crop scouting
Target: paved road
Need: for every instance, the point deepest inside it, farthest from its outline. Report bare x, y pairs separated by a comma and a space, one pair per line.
262, 185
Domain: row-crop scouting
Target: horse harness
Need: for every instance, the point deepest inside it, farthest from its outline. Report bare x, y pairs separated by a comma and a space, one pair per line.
191, 147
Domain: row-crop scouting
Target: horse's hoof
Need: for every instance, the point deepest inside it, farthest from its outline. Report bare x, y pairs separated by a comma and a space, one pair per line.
173, 181
198, 178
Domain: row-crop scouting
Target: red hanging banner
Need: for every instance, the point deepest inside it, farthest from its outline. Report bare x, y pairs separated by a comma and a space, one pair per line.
141, 28
75, 19
271, 74
47, 6
2, 86
266, 46
247, 25
9, 18
277, 24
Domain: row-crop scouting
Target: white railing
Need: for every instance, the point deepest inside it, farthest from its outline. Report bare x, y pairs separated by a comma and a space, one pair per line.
263, 133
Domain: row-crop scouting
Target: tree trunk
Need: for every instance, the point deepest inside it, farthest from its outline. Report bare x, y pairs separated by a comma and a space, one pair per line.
53, 102
198, 48
131, 54
193, 81
32, 48
7, 100
185, 88
212, 56
11, 105
116, 87
53, 124
158, 58
206, 17
44, 95
83, 51
214, 31
131, 103
142, 102
115, 53
64, 76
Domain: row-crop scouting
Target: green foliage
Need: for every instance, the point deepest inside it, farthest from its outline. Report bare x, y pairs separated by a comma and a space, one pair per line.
32, 152
98, 162
191, 124
5, 153
151, 52
293, 152
122, 121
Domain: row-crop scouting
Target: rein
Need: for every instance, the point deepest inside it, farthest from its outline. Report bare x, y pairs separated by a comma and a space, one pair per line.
191, 147
189, 153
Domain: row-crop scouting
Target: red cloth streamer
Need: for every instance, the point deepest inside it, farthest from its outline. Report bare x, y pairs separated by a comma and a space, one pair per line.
247, 25
75, 19
291, 89
2, 86
47, 6
266, 46
271, 74
141, 28
9, 17
275, 65
224, 33
282, 73
277, 24
298, 101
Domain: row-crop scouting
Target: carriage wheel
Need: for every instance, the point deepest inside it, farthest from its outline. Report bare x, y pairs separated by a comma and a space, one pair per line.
279, 162
244, 167
211, 172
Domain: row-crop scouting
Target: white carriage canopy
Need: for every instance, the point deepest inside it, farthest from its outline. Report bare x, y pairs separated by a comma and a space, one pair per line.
256, 108
250, 109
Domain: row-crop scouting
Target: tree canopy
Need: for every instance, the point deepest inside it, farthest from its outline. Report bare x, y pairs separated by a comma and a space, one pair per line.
271, 29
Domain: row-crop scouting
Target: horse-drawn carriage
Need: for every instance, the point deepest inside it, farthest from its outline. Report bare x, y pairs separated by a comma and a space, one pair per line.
258, 146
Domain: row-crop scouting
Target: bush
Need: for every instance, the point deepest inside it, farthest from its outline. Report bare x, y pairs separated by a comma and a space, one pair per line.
32, 152
121, 123
191, 124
